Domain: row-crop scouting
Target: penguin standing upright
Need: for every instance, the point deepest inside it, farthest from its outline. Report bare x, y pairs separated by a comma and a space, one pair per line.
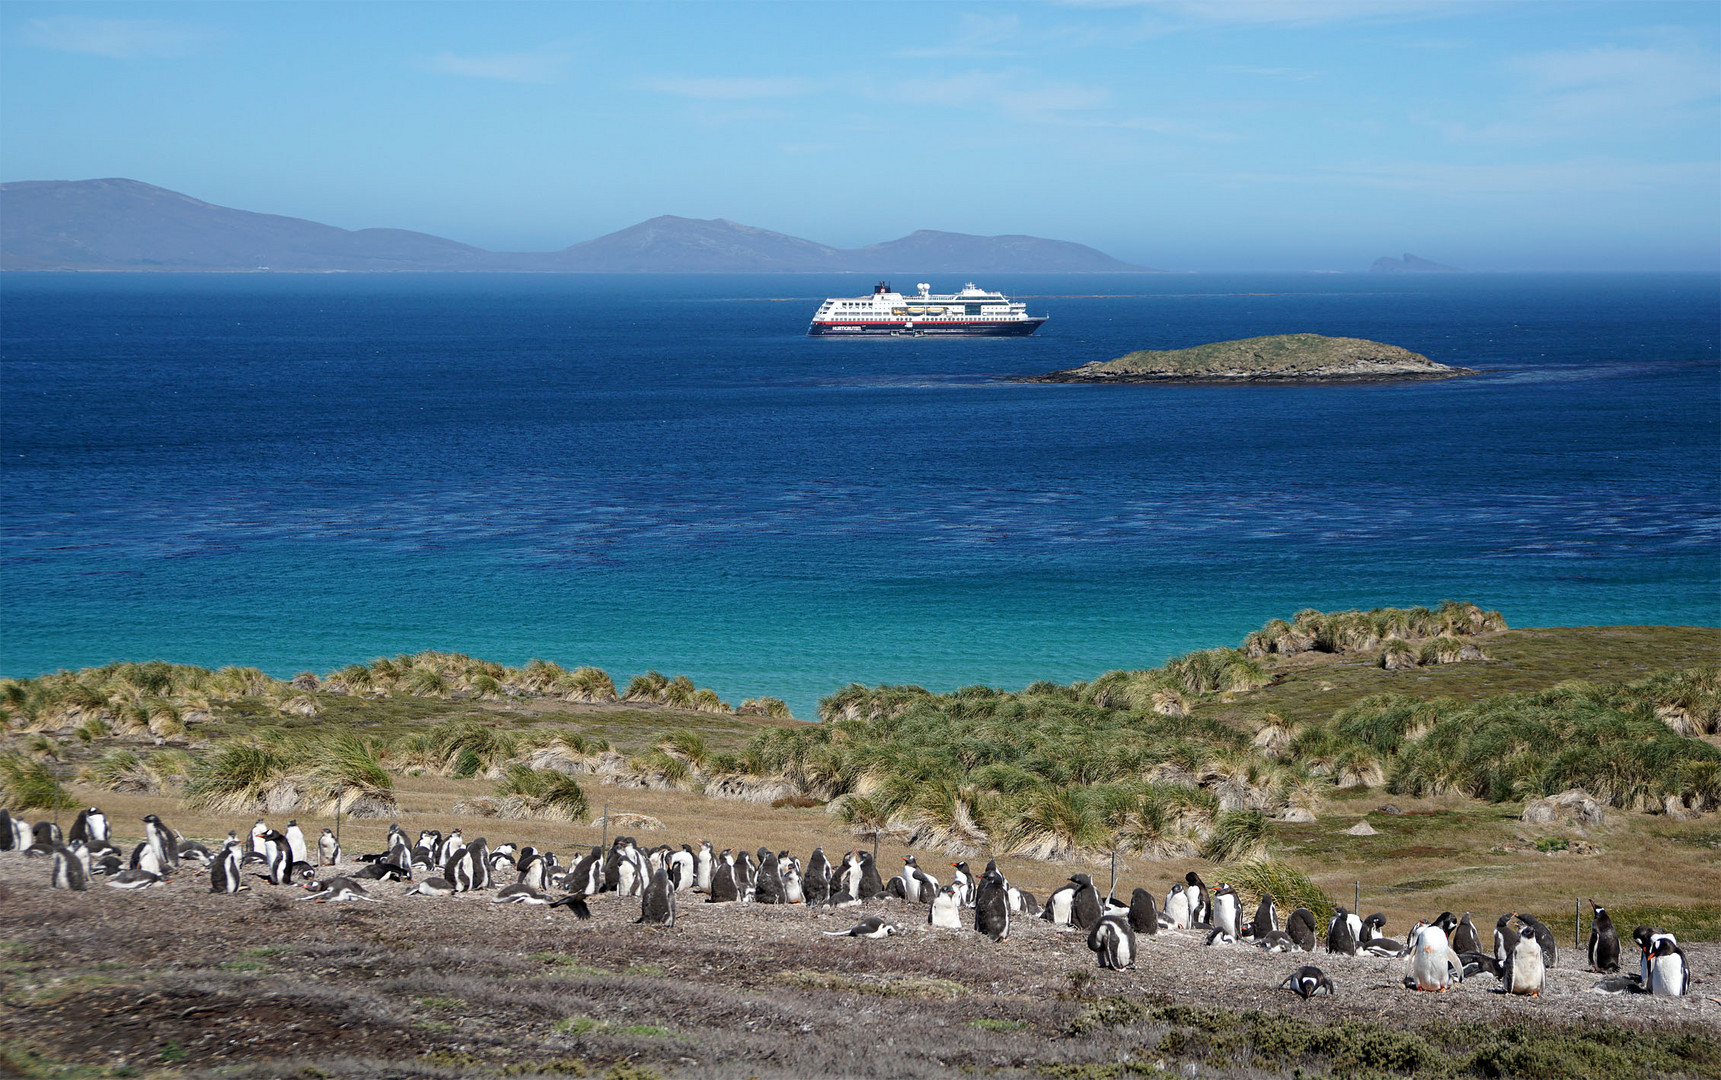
1604, 940
1112, 939
870, 883
657, 901
704, 865
992, 906
1527, 973
1544, 938
1143, 919
68, 870
963, 879
1432, 961
1178, 915
1085, 907
1465, 938
1227, 913
1266, 918
724, 888
480, 851
8, 834
448, 846
296, 843
1342, 933
945, 911
224, 870
587, 876
459, 871
259, 829
1200, 900
1505, 938
91, 827
817, 884
768, 886
683, 869
328, 849
1668, 974
161, 838
794, 888
280, 857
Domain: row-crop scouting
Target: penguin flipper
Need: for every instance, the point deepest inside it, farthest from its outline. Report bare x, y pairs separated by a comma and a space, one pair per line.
575, 904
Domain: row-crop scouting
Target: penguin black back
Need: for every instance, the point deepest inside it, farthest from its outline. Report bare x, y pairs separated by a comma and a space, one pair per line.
1266, 918
1307, 981
657, 905
1464, 938
1544, 937
870, 883
1301, 928
1604, 940
1085, 905
1143, 914
992, 906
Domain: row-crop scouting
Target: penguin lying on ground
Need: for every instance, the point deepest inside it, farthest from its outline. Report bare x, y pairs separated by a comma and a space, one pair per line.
1307, 981
520, 893
870, 927
1276, 941
337, 889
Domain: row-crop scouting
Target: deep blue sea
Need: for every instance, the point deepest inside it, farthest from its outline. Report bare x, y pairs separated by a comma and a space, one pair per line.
298, 472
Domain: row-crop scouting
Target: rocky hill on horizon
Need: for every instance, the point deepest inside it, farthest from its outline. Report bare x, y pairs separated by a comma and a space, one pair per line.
124, 225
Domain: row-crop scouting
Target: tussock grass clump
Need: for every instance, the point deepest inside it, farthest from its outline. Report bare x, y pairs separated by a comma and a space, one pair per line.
26, 784
125, 770
656, 688
1237, 834
586, 684
278, 773
776, 708
1364, 631
525, 792
1288, 885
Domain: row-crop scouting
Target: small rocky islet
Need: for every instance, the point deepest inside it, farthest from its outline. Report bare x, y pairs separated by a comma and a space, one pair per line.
1276, 358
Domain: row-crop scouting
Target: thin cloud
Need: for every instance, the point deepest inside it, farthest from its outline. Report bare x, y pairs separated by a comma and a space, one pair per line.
1014, 92
545, 64
975, 35
122, 39
734, 88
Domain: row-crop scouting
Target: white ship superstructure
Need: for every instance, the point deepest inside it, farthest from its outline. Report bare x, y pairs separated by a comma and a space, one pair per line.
973, 311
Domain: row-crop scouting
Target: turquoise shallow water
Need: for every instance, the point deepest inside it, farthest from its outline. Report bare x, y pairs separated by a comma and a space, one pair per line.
300, 472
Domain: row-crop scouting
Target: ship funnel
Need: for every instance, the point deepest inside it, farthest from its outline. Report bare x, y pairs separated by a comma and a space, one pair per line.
925, 288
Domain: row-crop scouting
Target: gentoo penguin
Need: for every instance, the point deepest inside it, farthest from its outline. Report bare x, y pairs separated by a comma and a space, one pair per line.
794, 892
382, 871
428, 849
1604, 940
68, 870
768, 885
327, 850
1276, 941
1266, 918
458, 870
144, 857
1645, 938
1473, 963
1464, 938
1220, 936
432, 886
657, 902
704, 865
480, 852
1200, 900
192, 851
576, 903
629, 867
450, 844
1525, 972
1178, 915
992, 906
296, 842
8, 832
520, 893
870, 883
81, 852
161, 838
1544, 937
133, 879
533, 869
1227, 913
1432, 961
280, 858
963, 879
746, 875
45, 836
945, 911
224, 870
1307, 981
587, 876
1668, 975
1505, 938
1343, 931
1113, 941
818, 877
259, 829
870, 927
1085, 905
1143, 919
336, 889
725, 888
907, 884
91, 828
1021, 901
1060, 905
683, 869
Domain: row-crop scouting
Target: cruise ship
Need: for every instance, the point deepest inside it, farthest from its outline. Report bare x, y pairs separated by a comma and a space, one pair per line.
971, 312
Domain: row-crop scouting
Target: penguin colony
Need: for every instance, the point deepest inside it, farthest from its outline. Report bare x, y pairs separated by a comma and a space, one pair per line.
1440, 952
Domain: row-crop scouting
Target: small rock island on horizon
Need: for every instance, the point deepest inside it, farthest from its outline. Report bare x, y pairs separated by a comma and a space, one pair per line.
1411, 264
1276, 358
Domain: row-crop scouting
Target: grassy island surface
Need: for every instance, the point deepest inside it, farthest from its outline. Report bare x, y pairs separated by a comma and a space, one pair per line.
1279, 357
1422, 759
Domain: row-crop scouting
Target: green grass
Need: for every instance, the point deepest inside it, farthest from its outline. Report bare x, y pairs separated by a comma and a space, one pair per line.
990, 1024
583, 1025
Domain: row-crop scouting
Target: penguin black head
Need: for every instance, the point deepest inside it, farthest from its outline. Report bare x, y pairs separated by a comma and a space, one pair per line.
1083, 880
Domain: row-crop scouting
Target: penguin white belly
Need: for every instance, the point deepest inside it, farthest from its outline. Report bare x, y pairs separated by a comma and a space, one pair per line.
1120, 949
1062, 902
1667, 976
1225, 914
1177, 910
946, 912
1529, 974
1429, 962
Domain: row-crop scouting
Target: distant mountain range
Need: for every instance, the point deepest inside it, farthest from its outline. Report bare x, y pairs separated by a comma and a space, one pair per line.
125, 225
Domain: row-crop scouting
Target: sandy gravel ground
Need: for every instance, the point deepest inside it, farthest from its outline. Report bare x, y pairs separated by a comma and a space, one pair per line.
175, 976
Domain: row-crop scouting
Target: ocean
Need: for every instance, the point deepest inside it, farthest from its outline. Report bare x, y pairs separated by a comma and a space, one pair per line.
298, 472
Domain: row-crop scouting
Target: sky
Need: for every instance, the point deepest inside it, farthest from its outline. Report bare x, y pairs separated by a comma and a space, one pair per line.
1301, 135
